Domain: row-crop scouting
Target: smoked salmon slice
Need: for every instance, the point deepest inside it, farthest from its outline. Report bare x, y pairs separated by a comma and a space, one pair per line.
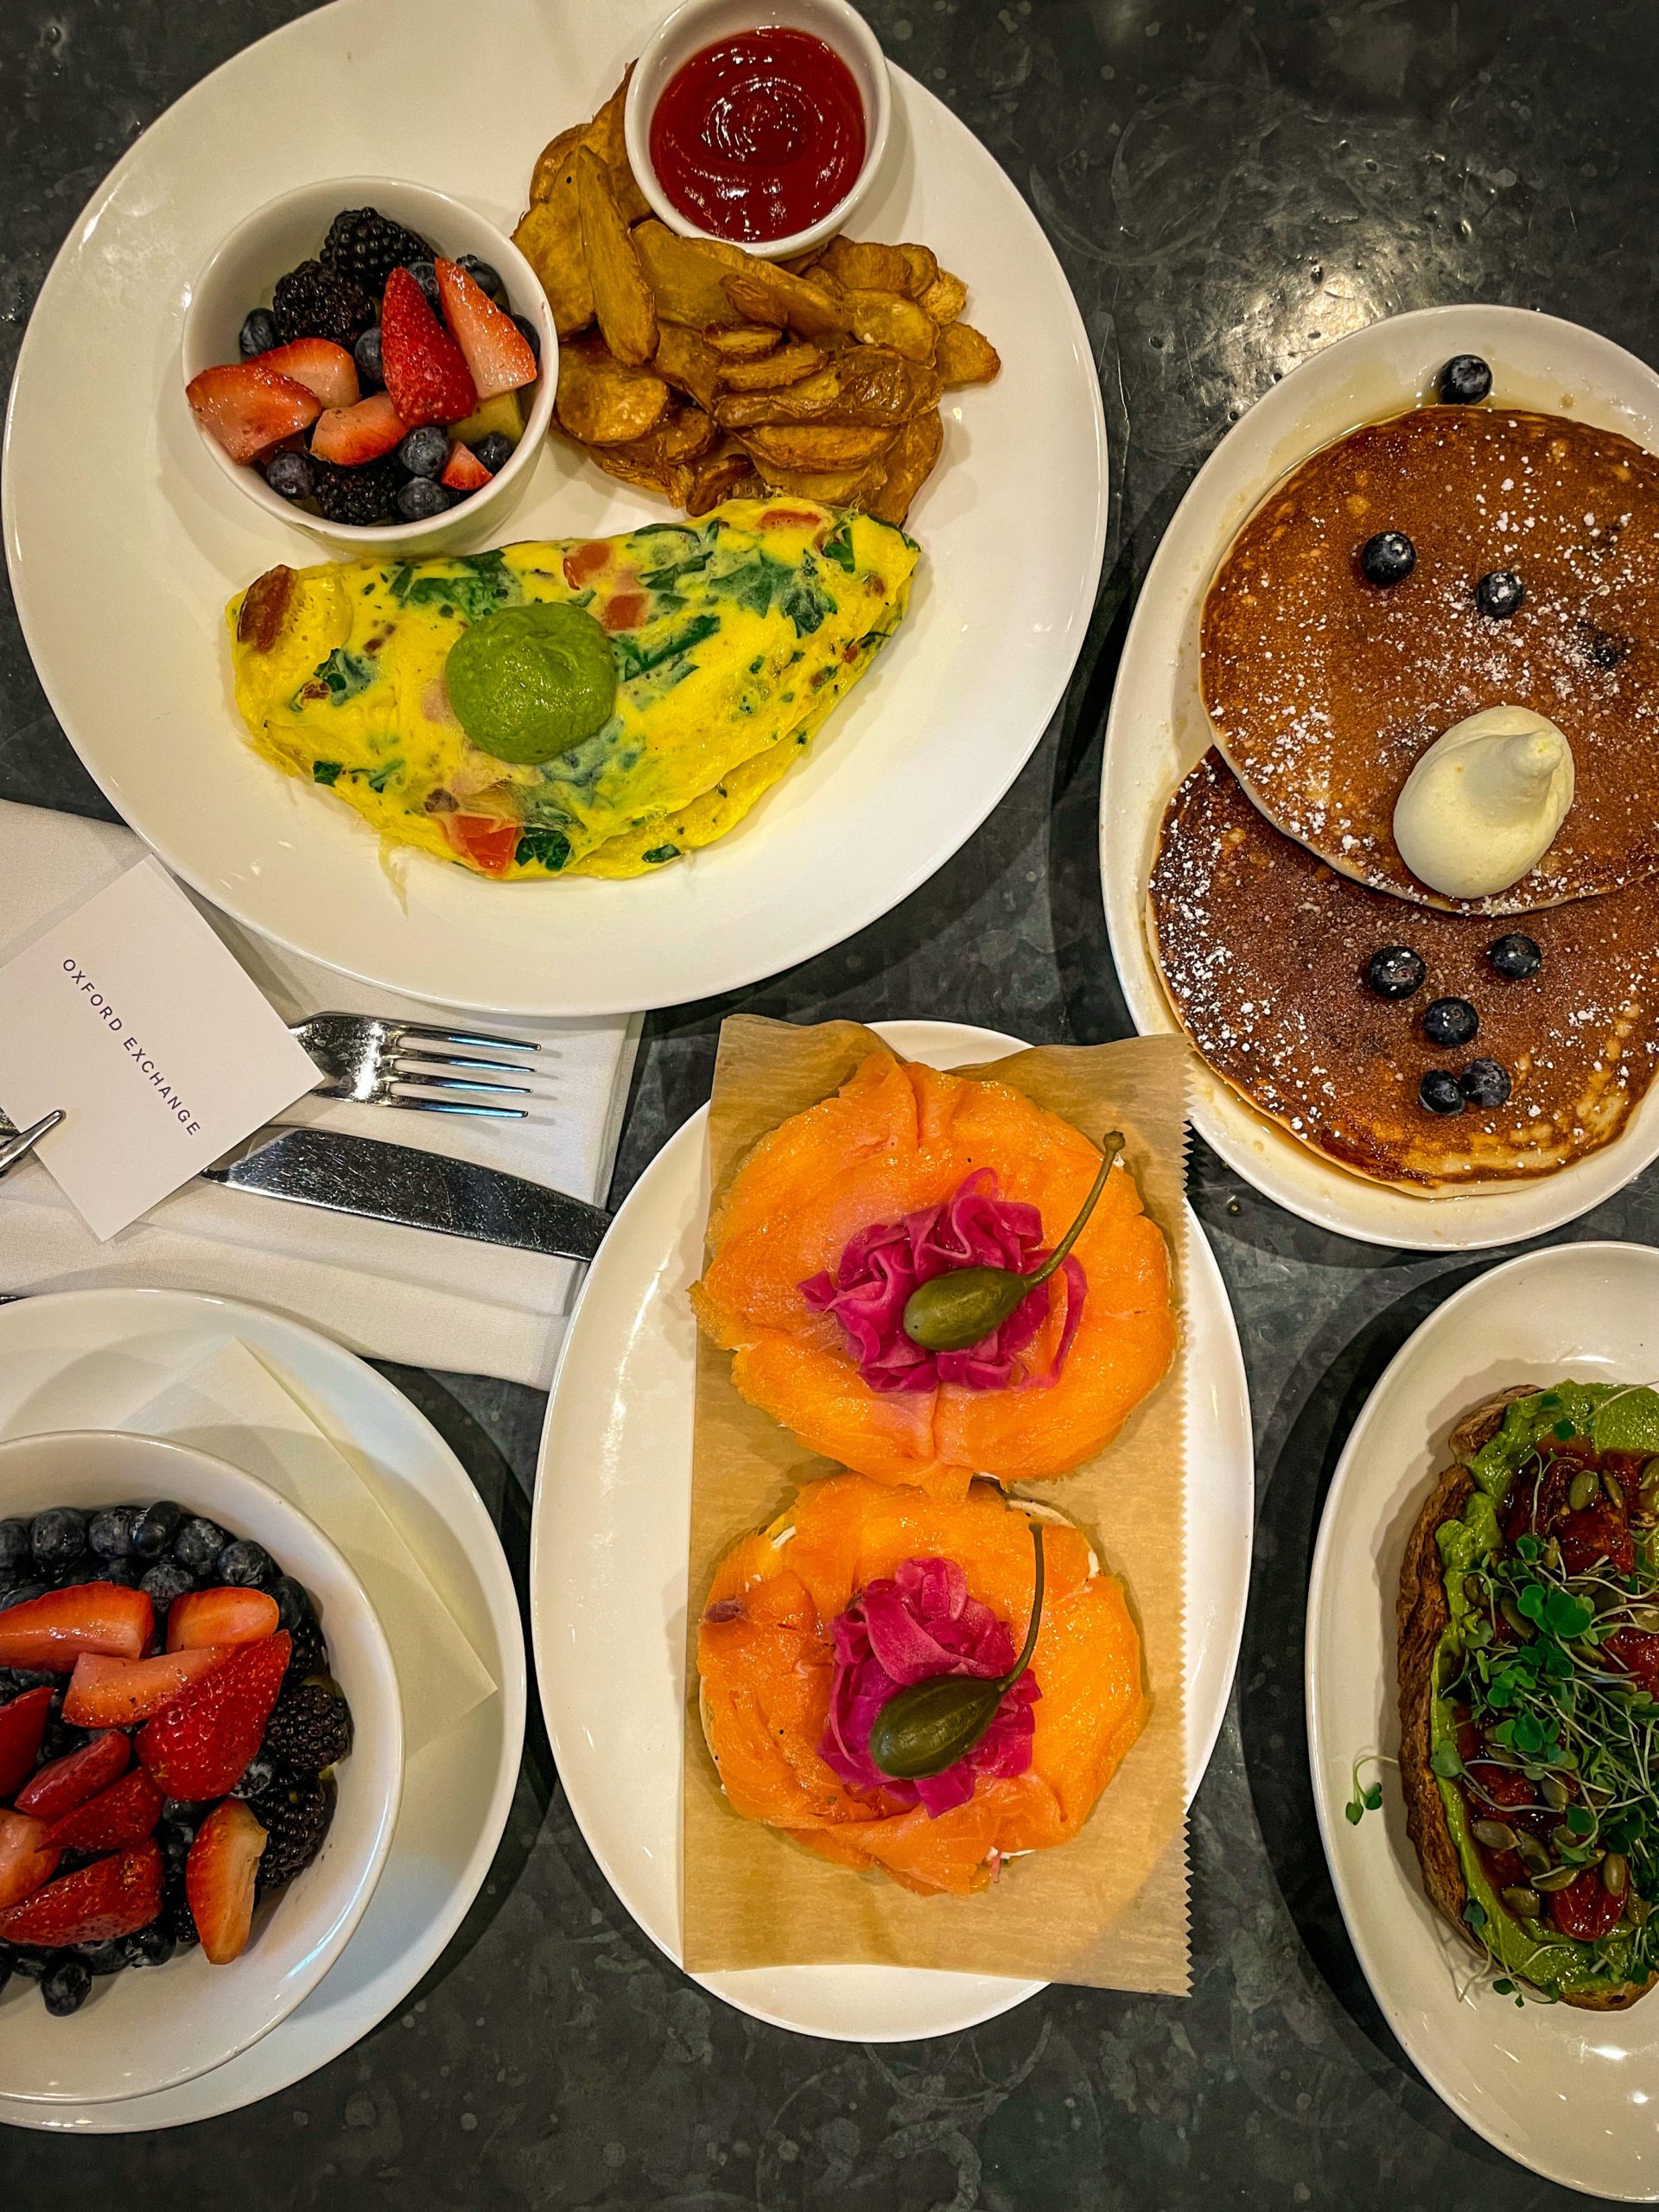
899, 1137
766, 1662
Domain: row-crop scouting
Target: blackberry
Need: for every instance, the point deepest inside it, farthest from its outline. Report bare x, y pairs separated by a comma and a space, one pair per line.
312, 301
366, 246
310, 1654
356, 497
257, 1776
295, 1817
177, 1918
310, 1727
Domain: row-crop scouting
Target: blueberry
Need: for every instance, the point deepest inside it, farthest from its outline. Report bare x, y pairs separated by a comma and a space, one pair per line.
178, 1919
110, 1533
258, 334
259, 1774
57, 1535
424, 452
14, 1543
293, 1606
1450, 1021
198, 1543
33, 1965
532, 337
495, 451
157, 1526
165, 1582
486, 275
1465, 380
20, 1593
66, 1988
174, 1839
290, 475
1485, 1083
1388, 558
420, 499
148, 1946
1440, 1093
125, 1573
1606, 651
427, 277
245, 1565
1394, 973
102, 1958
185, 1812
370, 374
1515, 956
1499, 593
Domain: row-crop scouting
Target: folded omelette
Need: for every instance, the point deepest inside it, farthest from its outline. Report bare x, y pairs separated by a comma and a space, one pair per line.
730, 638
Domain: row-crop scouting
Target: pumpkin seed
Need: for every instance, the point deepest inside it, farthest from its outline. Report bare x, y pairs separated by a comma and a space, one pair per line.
1532, 1854
1559, 1878
1645, 1618
1615, 1873
1523, 1903
1614, 1488
1564, 1839
1474, 1589
1553, 1556
1494, 1835
1516, 1619
1554, 1793
1581, 1491
1637, 1910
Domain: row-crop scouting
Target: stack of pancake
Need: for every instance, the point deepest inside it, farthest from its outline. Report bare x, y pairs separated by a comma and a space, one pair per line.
1277, 879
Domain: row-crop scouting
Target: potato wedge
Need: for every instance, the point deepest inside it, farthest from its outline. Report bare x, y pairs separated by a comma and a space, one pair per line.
863, 266
602, 401
819, 446
622, 299
924, 266
866, 385
846, 488
663, 460
556, 159
726, 473
788, 364
944, 298
743, 341
550, 237
964, 355
762, 292
684, 275
605, 135
688, 362
889, 319
910, 460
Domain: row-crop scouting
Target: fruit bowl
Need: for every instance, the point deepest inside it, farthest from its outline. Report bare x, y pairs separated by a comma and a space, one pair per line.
289, 230
150, 2030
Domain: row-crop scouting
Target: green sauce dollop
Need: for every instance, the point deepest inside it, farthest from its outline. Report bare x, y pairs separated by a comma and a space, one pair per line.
530, 681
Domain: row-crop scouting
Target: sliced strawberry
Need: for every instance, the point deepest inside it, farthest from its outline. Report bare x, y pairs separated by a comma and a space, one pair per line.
124, 1814
248, 407
23, 1723
426, 372
488, 841
464, 471
26, 1858
351, 435
199, 1744
111, 1897
120, 1693
79, 1775
497, 351
218, 1877
47, 1633
223, 1617
326, 369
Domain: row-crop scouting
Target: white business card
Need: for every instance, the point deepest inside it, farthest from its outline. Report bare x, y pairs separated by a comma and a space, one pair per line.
132, 1017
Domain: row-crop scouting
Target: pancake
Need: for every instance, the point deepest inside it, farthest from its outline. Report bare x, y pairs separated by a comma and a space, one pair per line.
1262, 949
733, 638
1323, 689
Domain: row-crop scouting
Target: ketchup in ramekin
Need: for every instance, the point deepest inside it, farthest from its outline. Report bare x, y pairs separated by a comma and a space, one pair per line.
758, 136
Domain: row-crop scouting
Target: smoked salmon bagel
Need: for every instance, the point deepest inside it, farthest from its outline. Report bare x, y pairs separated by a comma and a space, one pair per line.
862, 1586
905, 1174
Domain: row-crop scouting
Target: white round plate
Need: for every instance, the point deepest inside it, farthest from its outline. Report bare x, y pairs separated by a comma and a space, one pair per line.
1569, 2094
1158, 728
608, 1573
123, 613
79, 1358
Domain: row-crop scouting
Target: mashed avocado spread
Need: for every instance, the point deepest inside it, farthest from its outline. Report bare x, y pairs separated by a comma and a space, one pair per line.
529, 681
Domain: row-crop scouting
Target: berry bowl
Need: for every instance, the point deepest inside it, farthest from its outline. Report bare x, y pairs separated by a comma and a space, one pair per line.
154, 1863
344, 396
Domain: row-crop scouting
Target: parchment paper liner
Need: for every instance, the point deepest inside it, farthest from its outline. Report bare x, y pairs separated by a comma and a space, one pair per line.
1108, 1909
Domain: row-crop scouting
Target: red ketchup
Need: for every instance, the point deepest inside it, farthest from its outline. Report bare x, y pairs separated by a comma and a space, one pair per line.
758, 136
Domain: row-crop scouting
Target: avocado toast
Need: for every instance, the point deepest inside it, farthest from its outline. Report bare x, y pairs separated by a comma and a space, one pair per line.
1528, 1662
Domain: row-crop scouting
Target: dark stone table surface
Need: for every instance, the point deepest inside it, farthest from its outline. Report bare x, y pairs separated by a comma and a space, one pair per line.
1229, 186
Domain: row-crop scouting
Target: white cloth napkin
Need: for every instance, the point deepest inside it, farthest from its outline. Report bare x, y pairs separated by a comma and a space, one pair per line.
231, 1404
392, 1294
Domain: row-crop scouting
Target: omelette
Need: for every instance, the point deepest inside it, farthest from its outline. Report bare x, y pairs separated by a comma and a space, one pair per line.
616, 701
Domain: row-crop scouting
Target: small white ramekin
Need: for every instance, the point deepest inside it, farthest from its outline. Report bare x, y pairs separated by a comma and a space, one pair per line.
287, 231
697, 23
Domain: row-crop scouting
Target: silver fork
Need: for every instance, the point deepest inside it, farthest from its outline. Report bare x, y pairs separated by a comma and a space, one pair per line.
364, 1057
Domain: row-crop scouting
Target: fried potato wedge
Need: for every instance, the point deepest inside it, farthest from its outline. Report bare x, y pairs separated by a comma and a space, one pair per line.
924, 266
964, 355
890, 318
688, 362
762, 292
550, 237
743, 341
817, 446
944, 298
726, 473
866, 385
790, 363
684, 275
663, 460
847, 487
861, 266
623, 301
605, 135
555, 159
605, 402
910, 461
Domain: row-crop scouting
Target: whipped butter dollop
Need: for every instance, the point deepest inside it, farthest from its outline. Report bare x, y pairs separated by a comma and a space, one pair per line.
1484, 803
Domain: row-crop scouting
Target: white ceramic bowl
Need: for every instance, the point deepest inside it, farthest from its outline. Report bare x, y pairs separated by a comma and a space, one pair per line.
143, 2031
697, 23
291, 229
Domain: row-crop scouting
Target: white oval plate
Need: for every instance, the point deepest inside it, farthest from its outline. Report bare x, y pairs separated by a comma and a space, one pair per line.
1158, 728
1571, 2095
124, 542
608, 1573
76, 1359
